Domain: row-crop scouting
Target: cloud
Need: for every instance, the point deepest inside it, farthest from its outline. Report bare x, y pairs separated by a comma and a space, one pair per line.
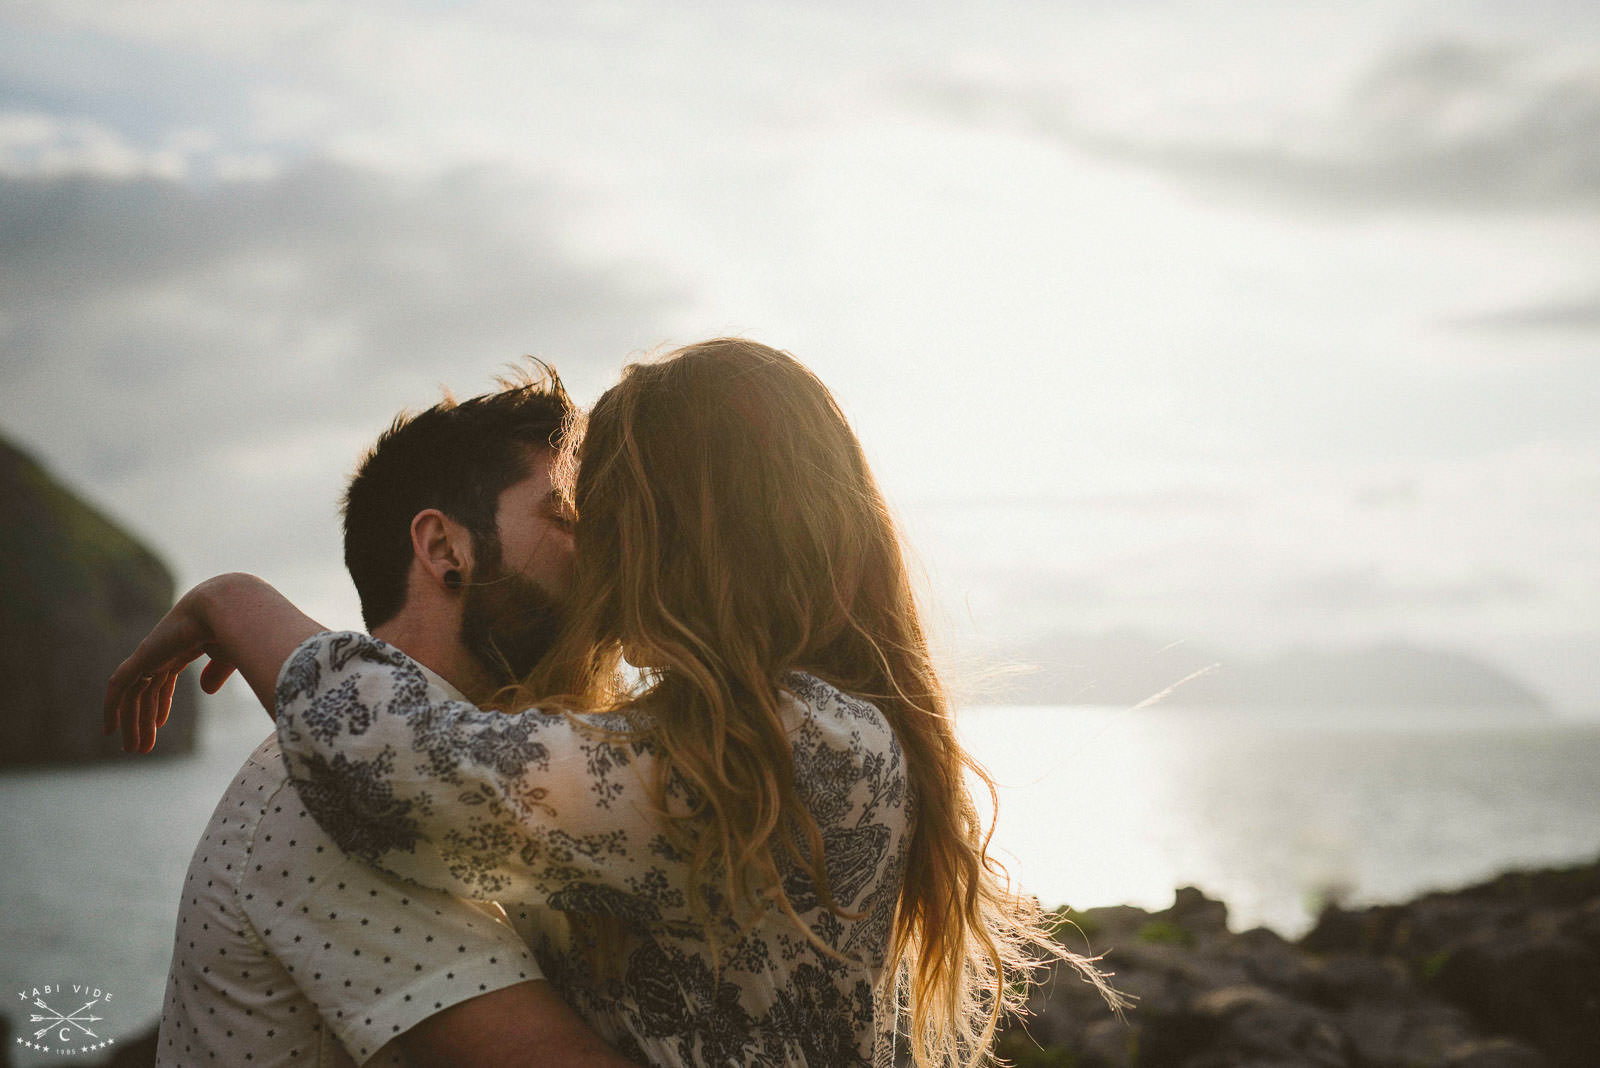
1450, 124
283, 295
1581, 314
1368, 591
1171, 500
36, 144
174, 347
1387, 494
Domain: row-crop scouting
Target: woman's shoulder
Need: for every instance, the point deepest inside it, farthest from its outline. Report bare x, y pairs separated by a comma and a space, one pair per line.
824, 698
847, 760
838, 712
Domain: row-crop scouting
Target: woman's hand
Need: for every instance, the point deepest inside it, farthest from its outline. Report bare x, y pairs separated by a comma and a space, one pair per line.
139, 694
237, 620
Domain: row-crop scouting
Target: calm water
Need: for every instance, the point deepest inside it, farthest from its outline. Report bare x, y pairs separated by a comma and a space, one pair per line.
92, 862
1275, 816
1097, 807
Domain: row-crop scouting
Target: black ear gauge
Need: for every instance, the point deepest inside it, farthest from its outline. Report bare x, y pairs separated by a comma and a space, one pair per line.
452, 579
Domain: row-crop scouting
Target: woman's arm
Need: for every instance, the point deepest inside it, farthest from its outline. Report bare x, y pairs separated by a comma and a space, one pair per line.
238, 621
526, 808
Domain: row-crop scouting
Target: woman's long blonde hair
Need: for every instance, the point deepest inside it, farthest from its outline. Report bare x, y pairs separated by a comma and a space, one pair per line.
729, 532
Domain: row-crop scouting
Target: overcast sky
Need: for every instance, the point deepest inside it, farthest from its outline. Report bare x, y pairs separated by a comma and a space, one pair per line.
1241, 324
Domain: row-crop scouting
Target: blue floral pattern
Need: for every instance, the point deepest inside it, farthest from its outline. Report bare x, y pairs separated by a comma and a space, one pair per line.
535, 812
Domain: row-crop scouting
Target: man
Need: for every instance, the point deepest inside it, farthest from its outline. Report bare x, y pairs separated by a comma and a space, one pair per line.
289, 952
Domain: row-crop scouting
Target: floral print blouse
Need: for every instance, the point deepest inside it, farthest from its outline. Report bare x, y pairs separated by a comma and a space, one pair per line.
530, 810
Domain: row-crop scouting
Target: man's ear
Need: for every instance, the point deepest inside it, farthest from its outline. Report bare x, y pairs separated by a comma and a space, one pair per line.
442, 546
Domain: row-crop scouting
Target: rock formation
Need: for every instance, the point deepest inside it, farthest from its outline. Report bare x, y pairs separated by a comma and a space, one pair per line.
76, 595
1502, 975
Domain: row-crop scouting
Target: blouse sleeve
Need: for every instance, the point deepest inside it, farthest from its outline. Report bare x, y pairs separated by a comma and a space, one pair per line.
523, 807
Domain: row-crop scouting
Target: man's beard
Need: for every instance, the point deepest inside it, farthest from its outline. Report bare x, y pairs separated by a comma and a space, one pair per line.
508, 624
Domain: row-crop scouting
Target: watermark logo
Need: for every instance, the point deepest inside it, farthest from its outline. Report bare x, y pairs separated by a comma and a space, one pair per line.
65, 1018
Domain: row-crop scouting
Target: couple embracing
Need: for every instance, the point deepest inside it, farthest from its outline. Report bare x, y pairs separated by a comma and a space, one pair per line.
645, 759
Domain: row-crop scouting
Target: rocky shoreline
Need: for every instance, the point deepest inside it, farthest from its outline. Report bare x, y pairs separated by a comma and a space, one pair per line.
1505, 974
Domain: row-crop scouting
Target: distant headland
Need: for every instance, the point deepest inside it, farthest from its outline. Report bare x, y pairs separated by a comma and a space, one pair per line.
77, 593
1128, 668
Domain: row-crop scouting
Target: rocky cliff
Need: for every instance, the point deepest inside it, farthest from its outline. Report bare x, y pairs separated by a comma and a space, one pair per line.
76, 595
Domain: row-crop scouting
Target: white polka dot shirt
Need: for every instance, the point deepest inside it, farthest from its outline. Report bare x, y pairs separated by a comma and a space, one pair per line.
288, 952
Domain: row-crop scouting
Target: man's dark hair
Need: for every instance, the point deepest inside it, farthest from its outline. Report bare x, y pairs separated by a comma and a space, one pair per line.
457, 457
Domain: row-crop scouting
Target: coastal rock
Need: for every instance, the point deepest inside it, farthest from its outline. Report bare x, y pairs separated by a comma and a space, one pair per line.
1493, 1053
1253, 1025
1520, 954
77, 593
1501, 975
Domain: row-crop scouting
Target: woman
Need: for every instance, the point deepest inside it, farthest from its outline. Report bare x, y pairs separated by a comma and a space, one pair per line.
766, 842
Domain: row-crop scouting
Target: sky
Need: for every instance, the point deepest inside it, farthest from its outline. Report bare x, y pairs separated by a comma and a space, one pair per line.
1248, 325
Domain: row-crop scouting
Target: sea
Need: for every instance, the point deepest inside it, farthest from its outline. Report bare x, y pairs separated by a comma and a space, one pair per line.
1276, 814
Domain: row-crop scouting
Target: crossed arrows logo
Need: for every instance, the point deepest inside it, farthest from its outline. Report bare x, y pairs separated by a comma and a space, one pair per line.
56, 1019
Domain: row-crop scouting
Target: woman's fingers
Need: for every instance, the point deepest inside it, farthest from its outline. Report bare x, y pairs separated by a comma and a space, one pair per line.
139, 703
139, 693
128, 713
150, 712
164, 697
122, 680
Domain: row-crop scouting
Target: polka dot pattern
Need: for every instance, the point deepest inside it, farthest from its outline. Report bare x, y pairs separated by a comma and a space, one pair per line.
287, 952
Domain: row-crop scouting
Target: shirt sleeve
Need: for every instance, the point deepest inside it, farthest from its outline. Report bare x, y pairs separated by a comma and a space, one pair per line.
526, 807
375, 956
